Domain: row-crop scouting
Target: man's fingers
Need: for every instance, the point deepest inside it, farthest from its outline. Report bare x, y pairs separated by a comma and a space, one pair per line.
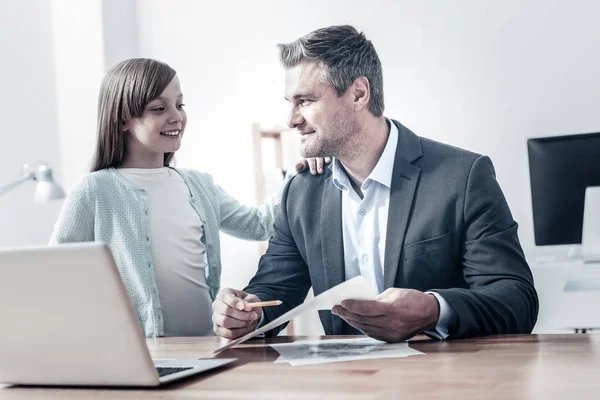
377, 332
366, 308
251, 298
219, 307
229, 318
372, 331
301, 166
229, 322
232, 297
315, 164
377, 321
312, 164
230, 333
319, 161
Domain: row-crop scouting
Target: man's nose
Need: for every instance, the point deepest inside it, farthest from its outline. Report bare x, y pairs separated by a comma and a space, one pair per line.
295, 119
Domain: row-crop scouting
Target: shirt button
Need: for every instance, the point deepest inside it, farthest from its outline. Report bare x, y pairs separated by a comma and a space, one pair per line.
362, 211
147, 238
365, 258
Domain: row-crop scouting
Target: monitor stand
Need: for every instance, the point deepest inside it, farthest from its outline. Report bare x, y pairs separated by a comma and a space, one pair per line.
590, 238
574, 252
590, 243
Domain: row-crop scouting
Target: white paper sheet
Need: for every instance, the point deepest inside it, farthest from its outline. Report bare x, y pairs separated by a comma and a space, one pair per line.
357, 288
308, 352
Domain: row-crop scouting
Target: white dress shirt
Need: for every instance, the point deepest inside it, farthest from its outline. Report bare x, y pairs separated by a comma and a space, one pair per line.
364, 226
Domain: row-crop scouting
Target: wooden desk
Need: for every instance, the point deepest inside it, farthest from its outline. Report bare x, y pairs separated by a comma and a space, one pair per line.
501, 367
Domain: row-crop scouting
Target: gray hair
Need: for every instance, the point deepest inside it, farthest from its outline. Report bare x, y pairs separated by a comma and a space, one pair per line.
345, 55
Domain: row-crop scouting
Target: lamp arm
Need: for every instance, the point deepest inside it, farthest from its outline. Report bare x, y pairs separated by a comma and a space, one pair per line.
7, 188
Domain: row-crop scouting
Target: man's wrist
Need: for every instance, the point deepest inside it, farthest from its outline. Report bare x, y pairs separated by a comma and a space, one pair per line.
434, 312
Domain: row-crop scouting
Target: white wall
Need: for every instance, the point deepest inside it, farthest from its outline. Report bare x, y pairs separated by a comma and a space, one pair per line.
29, 122
78, 39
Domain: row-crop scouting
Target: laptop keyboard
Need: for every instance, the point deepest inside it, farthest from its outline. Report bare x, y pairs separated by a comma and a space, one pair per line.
163, 371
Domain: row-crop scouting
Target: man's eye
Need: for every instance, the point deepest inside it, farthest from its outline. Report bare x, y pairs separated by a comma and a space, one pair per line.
304, 102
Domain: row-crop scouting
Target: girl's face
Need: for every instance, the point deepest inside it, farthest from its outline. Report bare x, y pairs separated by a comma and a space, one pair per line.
158, 131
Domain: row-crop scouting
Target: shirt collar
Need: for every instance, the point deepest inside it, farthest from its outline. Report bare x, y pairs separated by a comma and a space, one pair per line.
383, 170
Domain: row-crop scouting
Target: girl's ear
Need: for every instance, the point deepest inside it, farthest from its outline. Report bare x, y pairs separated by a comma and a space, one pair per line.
125, 126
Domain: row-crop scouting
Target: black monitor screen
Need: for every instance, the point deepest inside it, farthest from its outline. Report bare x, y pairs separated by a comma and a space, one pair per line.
560, 168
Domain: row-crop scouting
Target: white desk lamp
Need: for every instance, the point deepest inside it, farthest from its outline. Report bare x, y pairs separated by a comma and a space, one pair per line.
45, 190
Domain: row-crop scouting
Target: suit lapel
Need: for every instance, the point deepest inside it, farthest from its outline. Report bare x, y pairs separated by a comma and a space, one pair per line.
404, 185
332, 243
405, 178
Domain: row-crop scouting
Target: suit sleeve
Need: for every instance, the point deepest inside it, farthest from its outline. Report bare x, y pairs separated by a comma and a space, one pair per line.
501, 297
282, 272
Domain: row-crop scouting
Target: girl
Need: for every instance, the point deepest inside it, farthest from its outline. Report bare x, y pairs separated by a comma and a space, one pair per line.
161, 223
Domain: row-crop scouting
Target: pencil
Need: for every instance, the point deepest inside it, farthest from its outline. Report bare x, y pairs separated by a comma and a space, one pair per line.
264, 303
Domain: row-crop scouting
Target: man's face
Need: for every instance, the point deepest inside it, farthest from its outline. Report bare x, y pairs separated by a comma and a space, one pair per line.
325, 121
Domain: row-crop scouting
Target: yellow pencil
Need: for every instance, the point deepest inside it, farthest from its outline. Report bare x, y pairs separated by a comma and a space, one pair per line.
264, 303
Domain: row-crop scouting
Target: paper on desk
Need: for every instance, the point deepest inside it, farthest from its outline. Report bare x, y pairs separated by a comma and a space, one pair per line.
307, 352
357, 288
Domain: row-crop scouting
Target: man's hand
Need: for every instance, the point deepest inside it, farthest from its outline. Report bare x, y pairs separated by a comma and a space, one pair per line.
231, 318
397, 314
316, 164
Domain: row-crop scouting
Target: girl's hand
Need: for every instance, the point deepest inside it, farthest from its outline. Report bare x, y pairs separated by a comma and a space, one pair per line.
316, 164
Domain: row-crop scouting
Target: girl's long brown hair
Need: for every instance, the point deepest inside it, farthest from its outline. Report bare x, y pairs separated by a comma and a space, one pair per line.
125, 92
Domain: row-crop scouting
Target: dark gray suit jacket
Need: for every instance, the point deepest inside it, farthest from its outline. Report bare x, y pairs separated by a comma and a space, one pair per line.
449, 230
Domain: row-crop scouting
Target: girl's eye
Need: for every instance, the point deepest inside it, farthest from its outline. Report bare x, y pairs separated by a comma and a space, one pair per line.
181, 106
158, 109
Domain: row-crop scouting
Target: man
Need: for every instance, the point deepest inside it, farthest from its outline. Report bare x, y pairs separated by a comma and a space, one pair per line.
425, 222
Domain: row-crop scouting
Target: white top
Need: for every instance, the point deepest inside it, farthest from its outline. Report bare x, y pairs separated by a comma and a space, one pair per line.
177, 251
364, 224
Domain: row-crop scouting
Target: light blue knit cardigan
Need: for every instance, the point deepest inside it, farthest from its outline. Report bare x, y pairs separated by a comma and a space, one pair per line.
107, 208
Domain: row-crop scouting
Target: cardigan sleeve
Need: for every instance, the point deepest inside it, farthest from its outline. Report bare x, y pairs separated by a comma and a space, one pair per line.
76, 219
250, 222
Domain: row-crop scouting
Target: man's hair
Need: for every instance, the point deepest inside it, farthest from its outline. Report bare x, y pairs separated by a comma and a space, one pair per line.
125, 92
344, 54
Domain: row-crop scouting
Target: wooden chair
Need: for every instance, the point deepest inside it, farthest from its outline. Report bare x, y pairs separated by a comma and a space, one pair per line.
258, 136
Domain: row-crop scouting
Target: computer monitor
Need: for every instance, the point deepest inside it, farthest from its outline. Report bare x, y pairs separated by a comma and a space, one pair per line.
560, 168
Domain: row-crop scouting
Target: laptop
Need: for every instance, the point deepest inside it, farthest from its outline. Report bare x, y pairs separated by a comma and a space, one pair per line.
66, 320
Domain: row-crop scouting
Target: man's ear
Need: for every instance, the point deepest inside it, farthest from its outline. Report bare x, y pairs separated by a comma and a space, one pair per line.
361, 93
